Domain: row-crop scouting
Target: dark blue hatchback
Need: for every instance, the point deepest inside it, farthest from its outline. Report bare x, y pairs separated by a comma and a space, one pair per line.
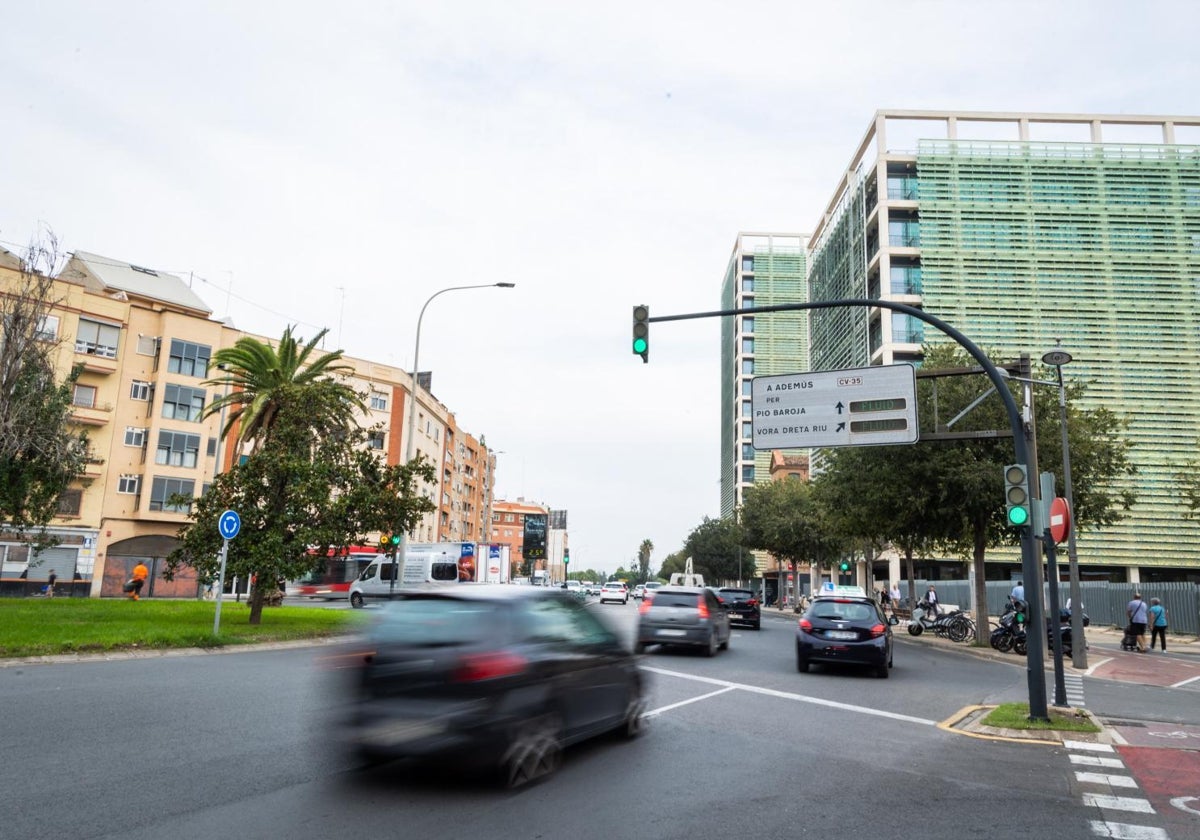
845, 628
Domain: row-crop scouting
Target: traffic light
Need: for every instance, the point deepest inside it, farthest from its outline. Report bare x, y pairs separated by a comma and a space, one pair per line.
1016, 494
844, 566
395, 540
566, 557
385, 542
641, 332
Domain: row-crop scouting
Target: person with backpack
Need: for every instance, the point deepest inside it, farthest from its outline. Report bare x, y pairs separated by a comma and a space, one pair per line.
1158, 623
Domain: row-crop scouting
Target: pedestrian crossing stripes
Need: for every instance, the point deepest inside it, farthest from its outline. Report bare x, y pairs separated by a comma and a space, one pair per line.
1074, 685
1102, 757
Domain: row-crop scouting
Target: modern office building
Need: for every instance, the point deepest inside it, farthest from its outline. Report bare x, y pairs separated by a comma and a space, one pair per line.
1020, 230
764, 269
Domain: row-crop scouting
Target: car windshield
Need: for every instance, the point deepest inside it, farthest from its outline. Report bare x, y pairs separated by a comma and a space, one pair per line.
843, 611
428, 622
736, 594
676, 599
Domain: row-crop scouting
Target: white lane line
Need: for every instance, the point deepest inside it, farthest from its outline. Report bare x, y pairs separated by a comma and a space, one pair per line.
1096, 761
1185, 682
1092, 668
1086, 746
1105, 779
787, 695
1124, 831
662, 709
1118, 803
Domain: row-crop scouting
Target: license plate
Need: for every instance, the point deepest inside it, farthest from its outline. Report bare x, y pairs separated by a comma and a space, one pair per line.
846, 635
672, 632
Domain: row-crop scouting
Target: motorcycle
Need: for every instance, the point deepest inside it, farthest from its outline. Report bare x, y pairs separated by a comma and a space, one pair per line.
1011, 635
1064, 631
922, 619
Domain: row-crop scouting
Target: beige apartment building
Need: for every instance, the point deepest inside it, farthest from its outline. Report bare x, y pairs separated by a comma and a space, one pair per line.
145, 341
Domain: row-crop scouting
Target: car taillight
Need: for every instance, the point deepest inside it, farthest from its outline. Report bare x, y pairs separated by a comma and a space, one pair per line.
644, 607
476, 667
878, 630
753, 602
806, 625
701, 607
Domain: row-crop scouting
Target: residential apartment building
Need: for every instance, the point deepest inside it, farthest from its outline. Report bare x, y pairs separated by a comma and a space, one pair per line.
508, 528
145, 341
764, 269
1020, 230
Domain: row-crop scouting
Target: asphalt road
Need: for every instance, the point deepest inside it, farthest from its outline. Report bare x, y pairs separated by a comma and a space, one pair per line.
209, 745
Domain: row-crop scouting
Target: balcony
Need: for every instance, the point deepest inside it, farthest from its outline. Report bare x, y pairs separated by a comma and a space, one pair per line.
98, 364
94, 415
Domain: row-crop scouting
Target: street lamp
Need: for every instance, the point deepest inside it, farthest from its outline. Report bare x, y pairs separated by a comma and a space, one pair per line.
412, 409
1057, 358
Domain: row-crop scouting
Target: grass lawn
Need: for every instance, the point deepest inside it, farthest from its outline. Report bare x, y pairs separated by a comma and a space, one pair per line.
1016, 716
39, 626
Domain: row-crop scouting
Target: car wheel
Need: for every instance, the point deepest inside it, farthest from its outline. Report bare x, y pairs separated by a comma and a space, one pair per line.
356, 600
711, 650
801, 663
881, 671
534, 752
634, 723
757, 625
725, 644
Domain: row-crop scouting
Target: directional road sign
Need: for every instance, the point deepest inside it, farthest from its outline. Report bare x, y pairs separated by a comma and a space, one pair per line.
229, 524
857, 407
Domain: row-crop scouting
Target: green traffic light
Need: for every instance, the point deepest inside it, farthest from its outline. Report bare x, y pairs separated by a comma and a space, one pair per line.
396, 539
639, 345
1018, 516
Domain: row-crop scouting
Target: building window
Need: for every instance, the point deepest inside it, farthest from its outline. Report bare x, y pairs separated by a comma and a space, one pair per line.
135, 436
747, 430
84, 396
177, 449
162, 489
48, 328
375, 440
747, 345
139, 390
495, 517
188, 358
129, 484
182, 403
378, 401
147, 345
746, 410
69, 502
97, 339
747, 452
747, 264
906, 329
747, 388
748, 324
748, 474
437, 433
747, 366
508, 517
747, 284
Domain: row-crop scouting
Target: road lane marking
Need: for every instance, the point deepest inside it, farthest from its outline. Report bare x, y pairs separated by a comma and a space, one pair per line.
1088, 746
788, 695
1124, 831
1096, 761
1089, 671
1105, 779
1118, 803
662, 709
1185, 682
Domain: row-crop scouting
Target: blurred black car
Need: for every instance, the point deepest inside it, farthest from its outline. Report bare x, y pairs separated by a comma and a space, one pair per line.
741, 605
499, 677
845, 628
683, 615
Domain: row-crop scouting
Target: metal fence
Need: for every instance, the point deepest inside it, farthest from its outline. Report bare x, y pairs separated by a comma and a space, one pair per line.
1104, 602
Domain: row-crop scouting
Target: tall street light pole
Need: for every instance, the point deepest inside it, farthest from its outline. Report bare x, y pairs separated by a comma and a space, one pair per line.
410, 443
1059, 357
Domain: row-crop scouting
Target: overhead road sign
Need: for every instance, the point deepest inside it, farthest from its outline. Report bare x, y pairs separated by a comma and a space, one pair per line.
857, 407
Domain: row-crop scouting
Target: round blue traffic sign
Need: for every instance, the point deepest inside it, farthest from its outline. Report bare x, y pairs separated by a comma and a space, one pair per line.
229, 524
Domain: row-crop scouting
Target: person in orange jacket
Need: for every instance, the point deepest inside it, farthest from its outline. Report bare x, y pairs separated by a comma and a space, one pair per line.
140, 573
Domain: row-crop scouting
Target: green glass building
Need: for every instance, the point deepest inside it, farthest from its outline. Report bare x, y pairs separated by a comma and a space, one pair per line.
765, 269
1021, 229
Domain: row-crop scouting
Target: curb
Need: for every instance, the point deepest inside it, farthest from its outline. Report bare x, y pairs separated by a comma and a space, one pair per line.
160, 653
967, 721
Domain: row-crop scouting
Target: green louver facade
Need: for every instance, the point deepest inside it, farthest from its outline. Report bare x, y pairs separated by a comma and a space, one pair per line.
1099, 245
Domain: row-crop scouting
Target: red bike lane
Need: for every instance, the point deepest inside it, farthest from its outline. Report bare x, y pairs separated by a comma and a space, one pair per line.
1164, 759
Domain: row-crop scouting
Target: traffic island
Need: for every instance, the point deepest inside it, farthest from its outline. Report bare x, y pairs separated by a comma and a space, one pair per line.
1009, 722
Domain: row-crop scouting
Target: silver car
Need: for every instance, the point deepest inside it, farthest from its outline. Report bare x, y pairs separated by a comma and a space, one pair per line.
683, 615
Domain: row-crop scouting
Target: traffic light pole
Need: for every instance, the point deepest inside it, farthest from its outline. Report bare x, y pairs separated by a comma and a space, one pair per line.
1031, 568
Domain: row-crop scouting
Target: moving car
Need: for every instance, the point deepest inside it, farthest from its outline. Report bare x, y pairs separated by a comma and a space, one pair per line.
742, 606
651, 587
842, 626
501, 677
639, 590
615, 591
683, 615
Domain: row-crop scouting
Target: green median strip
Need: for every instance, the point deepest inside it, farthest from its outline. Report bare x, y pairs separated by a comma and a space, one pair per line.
1016, 716
43, 627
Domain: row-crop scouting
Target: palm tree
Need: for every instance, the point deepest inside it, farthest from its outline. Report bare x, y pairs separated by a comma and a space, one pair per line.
644, 559
263, 381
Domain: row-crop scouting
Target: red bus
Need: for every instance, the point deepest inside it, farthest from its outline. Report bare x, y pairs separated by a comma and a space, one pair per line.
332, 580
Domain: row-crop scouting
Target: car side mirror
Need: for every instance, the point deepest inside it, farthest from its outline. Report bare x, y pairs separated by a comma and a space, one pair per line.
893, 620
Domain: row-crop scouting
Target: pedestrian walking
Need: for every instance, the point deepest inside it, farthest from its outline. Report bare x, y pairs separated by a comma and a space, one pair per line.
931, 598
1137, 612
1158, 623
895, 595
50, 584
140, 573
885, 599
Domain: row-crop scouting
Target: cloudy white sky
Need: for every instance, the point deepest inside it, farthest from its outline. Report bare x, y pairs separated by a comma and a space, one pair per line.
333, 165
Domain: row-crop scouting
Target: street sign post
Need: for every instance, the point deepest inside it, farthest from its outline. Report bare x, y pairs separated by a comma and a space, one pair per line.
1060, 519
228, 524
857, 407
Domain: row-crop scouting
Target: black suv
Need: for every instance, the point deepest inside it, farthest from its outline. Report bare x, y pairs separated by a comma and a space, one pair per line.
741, 605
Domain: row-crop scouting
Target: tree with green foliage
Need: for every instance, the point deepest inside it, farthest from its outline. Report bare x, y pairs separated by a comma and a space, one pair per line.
786, 519
644, 551
41, 451
674, 563
715, 546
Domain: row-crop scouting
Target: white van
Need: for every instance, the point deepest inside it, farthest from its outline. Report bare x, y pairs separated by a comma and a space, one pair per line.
376, 582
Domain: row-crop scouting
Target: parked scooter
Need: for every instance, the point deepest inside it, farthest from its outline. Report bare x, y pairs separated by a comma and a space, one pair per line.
923, 619
1011, 635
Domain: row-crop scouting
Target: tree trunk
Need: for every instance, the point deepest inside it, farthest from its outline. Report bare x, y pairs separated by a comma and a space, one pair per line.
912, 584
256, 604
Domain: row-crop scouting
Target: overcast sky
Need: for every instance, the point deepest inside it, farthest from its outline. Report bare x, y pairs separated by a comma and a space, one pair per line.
335, 164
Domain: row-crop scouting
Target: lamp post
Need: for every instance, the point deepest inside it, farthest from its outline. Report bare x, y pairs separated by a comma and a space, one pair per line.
1059, 357
412, 409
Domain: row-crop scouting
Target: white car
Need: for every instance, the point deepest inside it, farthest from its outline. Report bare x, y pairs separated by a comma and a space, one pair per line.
639, 590
614, 592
